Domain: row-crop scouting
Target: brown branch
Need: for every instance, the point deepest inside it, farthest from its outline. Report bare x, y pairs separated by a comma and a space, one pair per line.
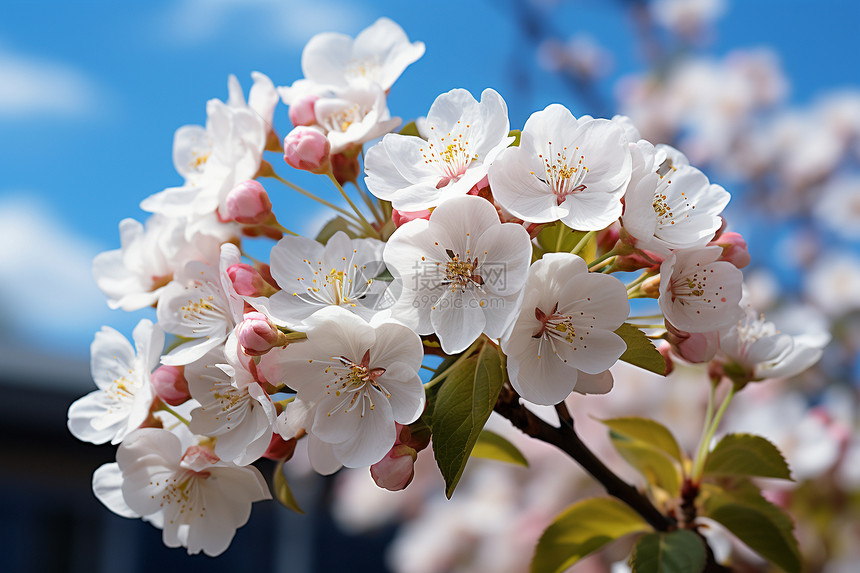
566, 439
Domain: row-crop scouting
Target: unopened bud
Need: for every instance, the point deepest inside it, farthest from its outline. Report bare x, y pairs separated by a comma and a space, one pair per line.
694, 347
258, 335
400, 217
302, 111
248, 203
279, 448
735, 249
170, 385
307, 148
395, 471
248, 281
665, 351
345, 168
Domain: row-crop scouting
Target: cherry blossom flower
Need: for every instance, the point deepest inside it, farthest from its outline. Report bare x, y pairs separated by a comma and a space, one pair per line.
670, 206
353, 382
753, 349
379, 53
461, 271
234, 408
214, 159
564, 169
182, 488
698, 292
463, 138
201, 304
134, 275
563, 338
354, 115
122, 373
833, 283
313, 276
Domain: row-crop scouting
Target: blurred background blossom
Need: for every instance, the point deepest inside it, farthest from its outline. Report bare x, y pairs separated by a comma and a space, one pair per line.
764, 96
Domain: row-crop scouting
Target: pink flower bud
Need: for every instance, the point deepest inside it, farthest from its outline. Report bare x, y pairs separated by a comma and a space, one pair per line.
735, 249
170, 385
395, 471
400, 217
258, 335
665, 351
345, 168
302, 111
697, 347
248, 203
248, 281
307, 148
280, 449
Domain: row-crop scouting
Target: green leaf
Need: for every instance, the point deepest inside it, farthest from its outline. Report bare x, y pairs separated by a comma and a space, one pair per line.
680, 551
581, 529
746, 455
652, 463
333, 226
559, 238
462, 406
517, 135
410, 128
283, 493
492, 446
641, 351
762, 526
648, 431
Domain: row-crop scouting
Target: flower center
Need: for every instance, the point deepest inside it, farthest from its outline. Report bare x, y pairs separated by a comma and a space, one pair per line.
451, 153
366, 67
563, 174
344, 117
555, 325
461, 273
203, 312
355, 382
335, 287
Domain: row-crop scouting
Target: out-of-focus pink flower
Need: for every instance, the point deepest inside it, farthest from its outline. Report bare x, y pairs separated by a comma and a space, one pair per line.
735, 249
248, 203
307, 148
170, 384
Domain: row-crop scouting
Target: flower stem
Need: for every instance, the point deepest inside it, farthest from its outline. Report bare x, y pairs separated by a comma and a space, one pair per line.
462, 358
582, 242
174, 413
368, 200
601, 261
712, 422
310, 195
364, 222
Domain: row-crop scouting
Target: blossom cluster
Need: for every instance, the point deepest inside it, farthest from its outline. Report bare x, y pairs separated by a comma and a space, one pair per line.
472, 235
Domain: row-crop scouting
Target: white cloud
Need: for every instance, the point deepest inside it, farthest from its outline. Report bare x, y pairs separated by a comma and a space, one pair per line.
46, 287
286, 22
32, 86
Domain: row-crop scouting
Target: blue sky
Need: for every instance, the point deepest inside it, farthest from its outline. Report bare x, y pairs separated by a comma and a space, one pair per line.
91, 93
